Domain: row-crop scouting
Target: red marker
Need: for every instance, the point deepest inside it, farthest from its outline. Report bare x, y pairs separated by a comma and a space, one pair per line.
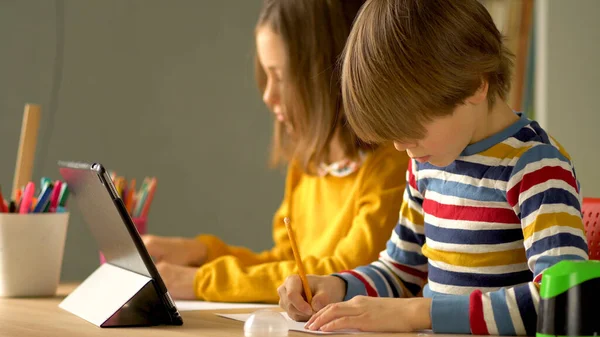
55, 196
3, 207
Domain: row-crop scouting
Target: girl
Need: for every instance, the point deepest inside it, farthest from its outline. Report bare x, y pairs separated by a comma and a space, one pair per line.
342, 196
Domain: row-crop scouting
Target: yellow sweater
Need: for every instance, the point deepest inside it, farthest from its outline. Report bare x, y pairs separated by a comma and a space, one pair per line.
340, 223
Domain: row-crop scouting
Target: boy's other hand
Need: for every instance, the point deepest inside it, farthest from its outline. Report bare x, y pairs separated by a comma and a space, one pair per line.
374, 314
325, 289
175, 250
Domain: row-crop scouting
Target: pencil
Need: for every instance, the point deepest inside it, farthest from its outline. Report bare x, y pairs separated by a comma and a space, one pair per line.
301, 271
130, 196
149, 197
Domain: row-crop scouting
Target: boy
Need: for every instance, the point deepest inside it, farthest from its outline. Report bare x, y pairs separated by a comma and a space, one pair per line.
491, 199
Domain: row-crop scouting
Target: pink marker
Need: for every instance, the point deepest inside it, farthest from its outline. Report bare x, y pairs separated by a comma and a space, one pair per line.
27, 198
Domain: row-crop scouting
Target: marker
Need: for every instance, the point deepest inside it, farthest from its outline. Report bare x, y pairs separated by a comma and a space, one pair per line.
54, 197
3, 207
44, 181
27, 198
64, 195
44, 198
18, 195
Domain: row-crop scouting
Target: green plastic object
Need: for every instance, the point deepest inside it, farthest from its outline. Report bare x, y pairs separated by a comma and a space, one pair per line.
566, 274
569, 299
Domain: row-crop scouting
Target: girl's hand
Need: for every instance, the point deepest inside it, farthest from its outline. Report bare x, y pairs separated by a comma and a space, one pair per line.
374, 314
179, 280
179, 251
325, 289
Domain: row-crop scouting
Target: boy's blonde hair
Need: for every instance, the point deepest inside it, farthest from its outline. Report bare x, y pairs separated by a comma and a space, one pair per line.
314, 33
409, 61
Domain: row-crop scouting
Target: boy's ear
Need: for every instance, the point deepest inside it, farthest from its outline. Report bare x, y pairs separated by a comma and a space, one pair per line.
481, 94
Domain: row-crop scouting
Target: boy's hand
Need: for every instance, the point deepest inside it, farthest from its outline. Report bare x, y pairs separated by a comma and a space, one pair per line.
180, 251
325, 289
179, 280
374, 314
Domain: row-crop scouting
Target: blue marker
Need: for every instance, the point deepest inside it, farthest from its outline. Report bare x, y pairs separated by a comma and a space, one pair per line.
44, 198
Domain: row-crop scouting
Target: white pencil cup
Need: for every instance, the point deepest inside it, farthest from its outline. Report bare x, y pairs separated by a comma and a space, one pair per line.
31, 253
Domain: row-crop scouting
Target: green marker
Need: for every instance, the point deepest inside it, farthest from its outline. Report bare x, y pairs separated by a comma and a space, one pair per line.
63, 196
569, 300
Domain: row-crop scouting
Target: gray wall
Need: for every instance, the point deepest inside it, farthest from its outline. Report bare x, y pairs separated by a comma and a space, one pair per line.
568, 82
162, 88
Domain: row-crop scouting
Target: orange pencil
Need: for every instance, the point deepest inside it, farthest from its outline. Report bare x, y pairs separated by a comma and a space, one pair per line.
130, 196
124, 187
299, 264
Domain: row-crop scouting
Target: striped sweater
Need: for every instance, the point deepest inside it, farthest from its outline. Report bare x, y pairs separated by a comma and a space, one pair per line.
476, 236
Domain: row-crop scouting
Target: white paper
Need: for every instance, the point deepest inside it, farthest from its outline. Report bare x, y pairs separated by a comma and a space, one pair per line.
203, 305
292, 325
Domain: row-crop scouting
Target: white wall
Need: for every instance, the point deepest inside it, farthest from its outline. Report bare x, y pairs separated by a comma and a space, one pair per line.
568, 81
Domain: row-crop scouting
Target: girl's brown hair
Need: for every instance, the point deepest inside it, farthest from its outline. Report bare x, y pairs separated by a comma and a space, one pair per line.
314, 34
409, 61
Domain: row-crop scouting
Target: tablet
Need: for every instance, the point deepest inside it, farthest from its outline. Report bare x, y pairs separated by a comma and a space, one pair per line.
118, 239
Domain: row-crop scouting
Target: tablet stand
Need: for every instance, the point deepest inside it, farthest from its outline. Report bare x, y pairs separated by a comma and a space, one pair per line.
115, 297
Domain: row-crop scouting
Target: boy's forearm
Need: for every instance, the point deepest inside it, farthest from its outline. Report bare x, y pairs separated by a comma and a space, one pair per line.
421, 318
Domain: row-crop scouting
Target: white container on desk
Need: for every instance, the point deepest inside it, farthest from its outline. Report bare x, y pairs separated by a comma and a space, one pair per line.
31, 253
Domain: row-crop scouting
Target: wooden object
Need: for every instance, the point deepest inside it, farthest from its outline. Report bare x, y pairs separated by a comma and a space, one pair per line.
27, 144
